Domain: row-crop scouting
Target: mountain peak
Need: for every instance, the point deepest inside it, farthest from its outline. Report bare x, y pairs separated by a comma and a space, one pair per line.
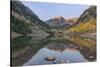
58, 17
57, 21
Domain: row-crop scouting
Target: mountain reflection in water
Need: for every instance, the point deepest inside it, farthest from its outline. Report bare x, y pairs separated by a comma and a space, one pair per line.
71, 55
36, 50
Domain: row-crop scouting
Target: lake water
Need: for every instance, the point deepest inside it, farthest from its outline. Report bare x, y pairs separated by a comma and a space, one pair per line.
63, 51
68, 55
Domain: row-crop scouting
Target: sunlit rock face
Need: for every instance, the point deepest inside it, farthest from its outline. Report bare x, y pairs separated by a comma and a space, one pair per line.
58, 21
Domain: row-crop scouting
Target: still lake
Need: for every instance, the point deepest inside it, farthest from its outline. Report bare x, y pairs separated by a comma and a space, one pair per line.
33, 50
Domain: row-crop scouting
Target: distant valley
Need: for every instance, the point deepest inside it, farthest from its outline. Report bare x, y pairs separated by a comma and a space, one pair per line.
24, 21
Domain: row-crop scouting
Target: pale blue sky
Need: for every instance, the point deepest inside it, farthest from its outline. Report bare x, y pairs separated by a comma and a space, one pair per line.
46, 11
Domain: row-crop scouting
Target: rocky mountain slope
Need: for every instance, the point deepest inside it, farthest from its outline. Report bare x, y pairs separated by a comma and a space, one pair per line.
24, 21
86, 22
88, 14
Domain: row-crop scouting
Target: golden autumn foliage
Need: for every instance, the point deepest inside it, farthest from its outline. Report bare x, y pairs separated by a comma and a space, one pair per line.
84, 27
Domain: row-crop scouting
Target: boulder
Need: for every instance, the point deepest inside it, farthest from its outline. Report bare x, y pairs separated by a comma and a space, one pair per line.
50, 58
